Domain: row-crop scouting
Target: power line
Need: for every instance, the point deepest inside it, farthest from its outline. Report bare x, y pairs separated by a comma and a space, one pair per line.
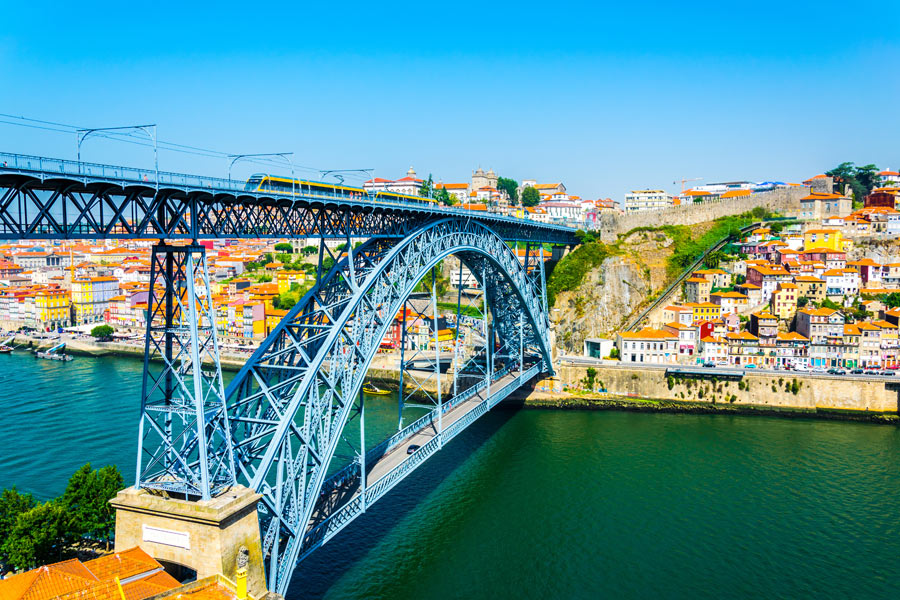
129, 138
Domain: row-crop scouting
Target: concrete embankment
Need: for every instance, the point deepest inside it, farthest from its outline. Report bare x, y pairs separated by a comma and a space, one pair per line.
82, 347
652, 390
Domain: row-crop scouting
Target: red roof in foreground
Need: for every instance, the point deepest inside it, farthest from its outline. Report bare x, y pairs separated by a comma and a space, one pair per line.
96, 579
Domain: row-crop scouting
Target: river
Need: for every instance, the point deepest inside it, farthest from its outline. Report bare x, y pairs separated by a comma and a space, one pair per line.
547, 504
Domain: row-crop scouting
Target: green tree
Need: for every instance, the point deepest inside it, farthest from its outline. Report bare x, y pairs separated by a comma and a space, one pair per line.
284, 247
591, 376
426, 190
12, 504
38, 537
714, 259
530, 197
444, 197
860, 179
86, 501
309, 250
511, 186
102, 331
891, 300
802, 301
614, 353
830, 304
868, 177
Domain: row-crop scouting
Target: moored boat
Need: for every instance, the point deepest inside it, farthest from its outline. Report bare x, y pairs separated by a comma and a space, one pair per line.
370, 389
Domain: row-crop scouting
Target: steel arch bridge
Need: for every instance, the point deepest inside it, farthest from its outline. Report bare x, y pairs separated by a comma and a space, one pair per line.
282, 426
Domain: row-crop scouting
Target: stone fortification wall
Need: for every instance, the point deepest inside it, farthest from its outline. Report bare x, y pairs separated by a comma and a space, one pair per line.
784, 200
815, 393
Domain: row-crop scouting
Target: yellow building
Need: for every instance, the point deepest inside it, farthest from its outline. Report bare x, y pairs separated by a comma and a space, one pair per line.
704, 311
273, 318
284, 279
52, 308
831, 239
784, 300
90, 297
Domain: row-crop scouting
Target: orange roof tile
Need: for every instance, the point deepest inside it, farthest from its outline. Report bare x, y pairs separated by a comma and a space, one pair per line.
647, 333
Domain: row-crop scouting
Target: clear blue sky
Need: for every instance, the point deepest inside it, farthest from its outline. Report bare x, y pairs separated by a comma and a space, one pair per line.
605, 99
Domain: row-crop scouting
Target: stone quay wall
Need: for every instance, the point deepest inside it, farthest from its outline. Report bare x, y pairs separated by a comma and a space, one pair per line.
785, 201
759, 390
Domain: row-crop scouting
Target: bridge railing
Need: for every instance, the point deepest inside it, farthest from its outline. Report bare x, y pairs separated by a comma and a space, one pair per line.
344, 515
72, 168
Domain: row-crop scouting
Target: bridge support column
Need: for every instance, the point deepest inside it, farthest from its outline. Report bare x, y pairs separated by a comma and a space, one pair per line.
184, 441
210, 537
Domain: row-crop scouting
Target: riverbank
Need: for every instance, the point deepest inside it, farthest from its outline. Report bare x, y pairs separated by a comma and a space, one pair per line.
636, 390
652, 390
91, 348
647, 405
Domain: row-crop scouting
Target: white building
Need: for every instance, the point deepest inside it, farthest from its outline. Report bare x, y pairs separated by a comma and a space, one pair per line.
406, 185
641, 200
562, 211
714, 349
647, 346
841, 282
890, 177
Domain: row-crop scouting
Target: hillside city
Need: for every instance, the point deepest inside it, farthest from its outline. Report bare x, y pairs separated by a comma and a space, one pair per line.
820, 294
798, 295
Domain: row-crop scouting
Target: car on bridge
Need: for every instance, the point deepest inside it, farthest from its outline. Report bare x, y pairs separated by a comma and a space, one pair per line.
412, 448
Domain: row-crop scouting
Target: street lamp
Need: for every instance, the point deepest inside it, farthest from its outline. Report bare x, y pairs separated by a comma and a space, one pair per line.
285, 155
149, 130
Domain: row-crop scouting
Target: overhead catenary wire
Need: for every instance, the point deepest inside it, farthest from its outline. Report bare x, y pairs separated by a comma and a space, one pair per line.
131, 138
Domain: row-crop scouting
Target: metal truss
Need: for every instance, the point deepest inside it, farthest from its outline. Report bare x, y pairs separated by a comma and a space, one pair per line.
54, 199
184, 440
343, 515
290, 403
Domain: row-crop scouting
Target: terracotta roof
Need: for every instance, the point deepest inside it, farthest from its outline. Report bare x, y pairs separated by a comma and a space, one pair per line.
122, 564
864, 262
817, 312
149, 586
647, 333
764, 314
742, 335
47, 582
791, 336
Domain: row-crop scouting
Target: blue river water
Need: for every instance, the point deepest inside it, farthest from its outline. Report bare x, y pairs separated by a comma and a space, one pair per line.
544, 503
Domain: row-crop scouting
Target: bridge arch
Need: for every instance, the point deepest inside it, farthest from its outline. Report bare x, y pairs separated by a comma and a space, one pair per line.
289, 404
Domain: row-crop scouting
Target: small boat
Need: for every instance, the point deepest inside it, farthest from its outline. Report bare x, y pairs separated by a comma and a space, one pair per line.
53, 356
370, 389
5, 349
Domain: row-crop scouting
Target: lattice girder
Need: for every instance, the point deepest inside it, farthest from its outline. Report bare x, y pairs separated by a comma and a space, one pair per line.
291, 401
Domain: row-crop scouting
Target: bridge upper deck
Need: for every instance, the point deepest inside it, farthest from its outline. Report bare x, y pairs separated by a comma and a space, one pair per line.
47, 198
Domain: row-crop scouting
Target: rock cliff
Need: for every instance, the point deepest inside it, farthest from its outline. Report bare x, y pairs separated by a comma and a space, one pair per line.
611, 293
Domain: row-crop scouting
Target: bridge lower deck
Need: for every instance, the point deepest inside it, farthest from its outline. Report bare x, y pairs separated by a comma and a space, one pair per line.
347, 498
